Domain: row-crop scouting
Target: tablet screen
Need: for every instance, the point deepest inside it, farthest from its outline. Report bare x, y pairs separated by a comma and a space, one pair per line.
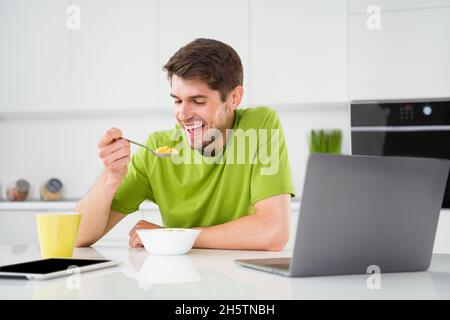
48, 265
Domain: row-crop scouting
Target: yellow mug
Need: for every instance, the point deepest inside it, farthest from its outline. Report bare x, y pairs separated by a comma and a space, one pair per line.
57, 233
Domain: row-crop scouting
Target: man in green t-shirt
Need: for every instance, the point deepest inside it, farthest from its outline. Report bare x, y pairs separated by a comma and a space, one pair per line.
230, 174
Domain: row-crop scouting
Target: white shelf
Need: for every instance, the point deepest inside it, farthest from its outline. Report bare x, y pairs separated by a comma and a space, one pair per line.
38, 205
70, 205
55, 205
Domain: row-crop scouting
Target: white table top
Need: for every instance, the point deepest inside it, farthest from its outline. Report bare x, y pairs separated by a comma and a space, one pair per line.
211, 274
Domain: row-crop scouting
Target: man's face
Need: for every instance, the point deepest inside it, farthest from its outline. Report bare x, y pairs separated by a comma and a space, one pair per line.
198, 108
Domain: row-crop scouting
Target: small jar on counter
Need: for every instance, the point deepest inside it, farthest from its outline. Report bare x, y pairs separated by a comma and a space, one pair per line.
51, 190
18, 191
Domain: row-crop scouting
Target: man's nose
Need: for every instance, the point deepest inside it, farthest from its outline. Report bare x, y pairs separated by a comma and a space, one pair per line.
184, 111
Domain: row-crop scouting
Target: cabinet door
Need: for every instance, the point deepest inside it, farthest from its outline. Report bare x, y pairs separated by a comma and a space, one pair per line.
407, 57
361, 6
34, 55
298, 51
182, 21
113, 55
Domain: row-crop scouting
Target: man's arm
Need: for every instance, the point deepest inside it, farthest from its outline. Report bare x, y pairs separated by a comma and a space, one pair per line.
266, 229
97, 218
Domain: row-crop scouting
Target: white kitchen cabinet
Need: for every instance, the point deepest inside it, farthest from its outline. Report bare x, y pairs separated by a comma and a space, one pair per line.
34, 55
182, 21
360, 6
113, 55
408, 57
298, 51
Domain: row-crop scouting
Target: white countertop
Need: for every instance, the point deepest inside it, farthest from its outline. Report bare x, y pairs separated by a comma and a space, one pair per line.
69, 205
210, 274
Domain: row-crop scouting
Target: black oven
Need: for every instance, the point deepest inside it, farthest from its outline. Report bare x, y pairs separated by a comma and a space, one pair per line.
418, 128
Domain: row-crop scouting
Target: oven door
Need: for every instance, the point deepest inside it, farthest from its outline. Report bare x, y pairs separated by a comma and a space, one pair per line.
401, 141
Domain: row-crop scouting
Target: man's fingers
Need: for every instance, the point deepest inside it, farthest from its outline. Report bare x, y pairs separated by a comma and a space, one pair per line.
109, 136
132, 240
132, 231
138, 225
135, 241
113, 147
119, 154
135, 227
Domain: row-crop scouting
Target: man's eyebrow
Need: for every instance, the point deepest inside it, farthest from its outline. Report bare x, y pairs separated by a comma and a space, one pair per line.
199, 96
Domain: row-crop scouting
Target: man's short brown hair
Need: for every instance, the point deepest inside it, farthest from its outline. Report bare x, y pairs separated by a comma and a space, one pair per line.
209, 60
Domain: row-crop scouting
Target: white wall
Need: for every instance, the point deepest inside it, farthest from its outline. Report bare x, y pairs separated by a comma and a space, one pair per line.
63, 147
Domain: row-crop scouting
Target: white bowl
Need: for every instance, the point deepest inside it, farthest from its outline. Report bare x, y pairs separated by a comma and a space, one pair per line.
168, 241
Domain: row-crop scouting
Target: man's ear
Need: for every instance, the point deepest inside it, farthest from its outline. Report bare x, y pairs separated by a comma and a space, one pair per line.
236, 96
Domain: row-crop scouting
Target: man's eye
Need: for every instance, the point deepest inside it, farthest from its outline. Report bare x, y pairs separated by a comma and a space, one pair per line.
199, 102
177, 101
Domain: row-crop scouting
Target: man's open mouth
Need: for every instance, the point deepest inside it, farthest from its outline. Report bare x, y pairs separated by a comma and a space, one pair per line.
191, 129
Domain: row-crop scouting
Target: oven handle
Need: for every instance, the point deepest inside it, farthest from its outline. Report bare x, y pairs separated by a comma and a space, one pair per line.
400, 128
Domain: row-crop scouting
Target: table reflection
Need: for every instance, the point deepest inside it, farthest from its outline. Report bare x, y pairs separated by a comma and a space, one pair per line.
152, 269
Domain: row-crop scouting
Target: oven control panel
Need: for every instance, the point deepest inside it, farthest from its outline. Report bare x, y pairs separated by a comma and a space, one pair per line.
392, 113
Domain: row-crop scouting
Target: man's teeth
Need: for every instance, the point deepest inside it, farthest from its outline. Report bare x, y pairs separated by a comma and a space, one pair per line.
190, 128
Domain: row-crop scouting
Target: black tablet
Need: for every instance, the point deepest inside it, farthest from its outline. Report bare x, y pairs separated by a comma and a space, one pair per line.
52, 268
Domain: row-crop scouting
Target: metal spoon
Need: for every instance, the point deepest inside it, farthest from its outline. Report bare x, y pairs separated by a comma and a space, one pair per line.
160, 155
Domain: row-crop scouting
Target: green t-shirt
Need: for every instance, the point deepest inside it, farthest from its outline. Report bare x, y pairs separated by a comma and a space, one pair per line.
193, 190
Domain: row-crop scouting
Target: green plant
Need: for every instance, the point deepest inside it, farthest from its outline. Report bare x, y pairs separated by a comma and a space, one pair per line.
325, 141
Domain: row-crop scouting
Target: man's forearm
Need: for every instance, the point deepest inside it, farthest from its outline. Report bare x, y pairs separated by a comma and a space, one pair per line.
252, 232
94, 207
265, 229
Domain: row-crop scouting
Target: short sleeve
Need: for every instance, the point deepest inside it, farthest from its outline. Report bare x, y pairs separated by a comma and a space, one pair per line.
271, 172
136, 187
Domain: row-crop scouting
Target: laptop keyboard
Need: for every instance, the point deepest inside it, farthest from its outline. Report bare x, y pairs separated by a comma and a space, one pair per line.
281, 266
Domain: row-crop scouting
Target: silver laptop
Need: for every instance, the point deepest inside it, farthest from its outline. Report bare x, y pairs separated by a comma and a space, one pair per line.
361, 211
